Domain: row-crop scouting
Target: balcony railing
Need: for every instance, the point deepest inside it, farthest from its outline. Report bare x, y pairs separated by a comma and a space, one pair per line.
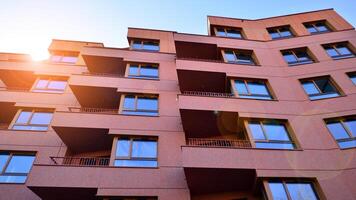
94, 110
102, 74
80, 161
208, 94
201, 59
205, 142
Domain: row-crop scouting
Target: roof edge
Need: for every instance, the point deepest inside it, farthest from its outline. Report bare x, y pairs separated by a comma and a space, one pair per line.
78, 41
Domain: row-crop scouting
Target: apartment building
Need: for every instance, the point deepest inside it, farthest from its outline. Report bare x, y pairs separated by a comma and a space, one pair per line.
256, 109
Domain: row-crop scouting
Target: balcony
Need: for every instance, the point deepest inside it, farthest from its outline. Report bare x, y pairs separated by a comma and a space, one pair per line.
81, 161
14, 79
206, 142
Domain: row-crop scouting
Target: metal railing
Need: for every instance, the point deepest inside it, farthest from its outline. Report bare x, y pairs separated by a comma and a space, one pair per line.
201, 59
208, 94
94, 110
102, 74
206, 142
80, 161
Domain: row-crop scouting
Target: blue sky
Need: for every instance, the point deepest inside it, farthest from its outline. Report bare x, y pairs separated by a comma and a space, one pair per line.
27, 26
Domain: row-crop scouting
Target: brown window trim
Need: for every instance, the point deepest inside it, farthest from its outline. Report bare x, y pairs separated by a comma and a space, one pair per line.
49, 79
143, 41
236, 51
127, 70
122, 100
13, 123
245, 80
243, 36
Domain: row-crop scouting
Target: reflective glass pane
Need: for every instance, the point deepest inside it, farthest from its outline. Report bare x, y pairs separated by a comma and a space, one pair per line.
152, 46
146, 103
135, 163
256, 131
302, 55
3, 160
351, 125
324, 85
23, 117
311, 28
129, 102
30, 128
301, 191
136, 44
240, 87
144, 149
20, 164
41, 118
353, 79
331, 51
270, 145
278, 192
343, 50
257, 88
149, 71
310, 88
58, 85
285, 32
321, 27
12, 179
276, 131
255, 97
220, 32
324, 96
244, 58
337, 130
143, 113
56, 58
133, 70
274, 35
123, 148
347, 144
289, 57
69, 59
230, 56
41, 84
234, 33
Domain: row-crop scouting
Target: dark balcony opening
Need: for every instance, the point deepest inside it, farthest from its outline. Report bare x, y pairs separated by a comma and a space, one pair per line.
213, 129
60, 193
109, 66
198, 51
96, 97
213, 183
7, 114
17, 80
199, 81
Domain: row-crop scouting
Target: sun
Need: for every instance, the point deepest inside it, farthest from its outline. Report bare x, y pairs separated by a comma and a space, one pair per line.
39, 55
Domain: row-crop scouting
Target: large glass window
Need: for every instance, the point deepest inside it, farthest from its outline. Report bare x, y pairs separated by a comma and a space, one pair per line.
283, 190
228, 32
343, 131
65, 57
338, 51
140, 105
136, 152
144, 71
14, 167
252, 89
270, 135
297, 56
243, 57
280, 32
353, 77
49, 85
319, 88
32, 120
148, 45
317, 27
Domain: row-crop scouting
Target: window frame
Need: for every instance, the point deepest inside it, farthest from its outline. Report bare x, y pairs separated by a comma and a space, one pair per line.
341, 120
33, 111
65, 54
339, 56
122, 101
246, 80
140, 65
11, 155
288, 128
48, 90
313, 24
330, 80
254, 61
114, 157
277, 29
239, 30
284, 181
142, 41
298, 62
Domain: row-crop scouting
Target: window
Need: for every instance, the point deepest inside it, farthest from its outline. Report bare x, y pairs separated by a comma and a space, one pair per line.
343, 131
319, 88
252, 89
49, 85
143, 71
338, 50
297, 56
136, 152
292, 190
140, 105
270, 135
148, 45
14, 167
243, 57
353, 77
280, 32
65, 57
228, 32
317, 27
32, 120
